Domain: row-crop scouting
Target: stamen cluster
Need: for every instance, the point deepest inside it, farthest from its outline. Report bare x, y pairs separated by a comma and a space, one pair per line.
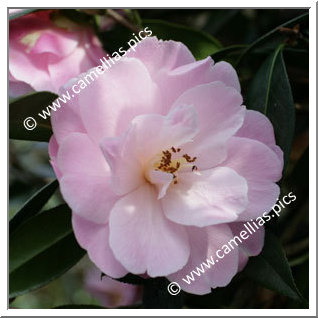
167, 164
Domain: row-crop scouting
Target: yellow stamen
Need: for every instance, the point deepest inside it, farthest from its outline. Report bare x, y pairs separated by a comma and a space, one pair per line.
168, 164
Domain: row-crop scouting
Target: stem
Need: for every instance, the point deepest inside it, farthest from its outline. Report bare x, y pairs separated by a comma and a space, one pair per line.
121, 20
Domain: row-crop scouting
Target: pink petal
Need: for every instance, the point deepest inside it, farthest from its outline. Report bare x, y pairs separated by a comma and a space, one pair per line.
219, 117
171, 64
216, 196
261, 168
147, 136
252, 246
85, 182
75, 63
17, 88
79, 155
126, 169
117, 99
31, 71
142, 239
91, 197
257, 126
204, 244
224, 72
253, 160
161, 55
66, 119
56, 41
53, 149
45, 56
261, 198
78, 61
162, 180
95, 239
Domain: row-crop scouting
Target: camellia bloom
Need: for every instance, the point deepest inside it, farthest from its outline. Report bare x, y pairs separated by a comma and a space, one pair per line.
44, 55
110, 292
161, 164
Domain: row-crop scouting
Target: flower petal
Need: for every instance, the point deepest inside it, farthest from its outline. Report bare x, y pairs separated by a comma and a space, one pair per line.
91, 197
252, 246
171, 64
66, 119
204, 244
158, 55
162, 180
95, 239
261, 168
224, 72
257, 126
219, 118
53, 150
142, 239
79, 155
85, 178
147, 136
216, 196
117, 98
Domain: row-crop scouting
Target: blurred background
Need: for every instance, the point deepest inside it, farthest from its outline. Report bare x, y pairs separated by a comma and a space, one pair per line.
29, 167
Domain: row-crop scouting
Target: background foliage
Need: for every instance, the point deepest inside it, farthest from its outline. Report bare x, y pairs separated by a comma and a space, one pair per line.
269, 49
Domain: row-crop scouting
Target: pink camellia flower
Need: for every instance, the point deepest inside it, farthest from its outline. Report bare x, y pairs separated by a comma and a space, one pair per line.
44, 55
110, 292
161, 164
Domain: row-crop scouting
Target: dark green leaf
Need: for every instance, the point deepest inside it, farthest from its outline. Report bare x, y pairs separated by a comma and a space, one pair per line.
30, 106
77, 16
156, 295
273, 37
199, 43
21, 13
33, 205
270, 93
218, 19
42, 249
226, 51
271, 269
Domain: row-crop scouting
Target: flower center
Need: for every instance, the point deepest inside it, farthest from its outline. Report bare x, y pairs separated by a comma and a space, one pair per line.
171, 162
30, 40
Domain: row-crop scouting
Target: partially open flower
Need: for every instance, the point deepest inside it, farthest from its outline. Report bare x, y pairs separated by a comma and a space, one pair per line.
158, 159
45, 54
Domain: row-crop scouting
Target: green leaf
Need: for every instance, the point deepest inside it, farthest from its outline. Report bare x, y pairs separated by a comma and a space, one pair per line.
33, 205
30, 106
270, 93
42, 249
271, 269
199, 43
273, 37
21, 13
222, 53
155, 295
